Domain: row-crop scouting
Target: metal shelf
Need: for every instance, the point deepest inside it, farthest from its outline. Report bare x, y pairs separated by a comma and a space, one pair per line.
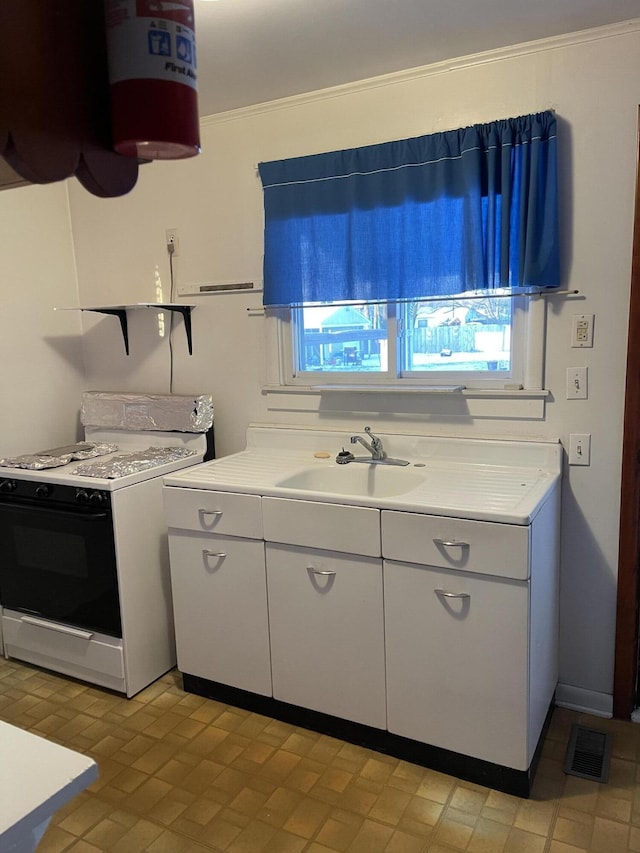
120, 311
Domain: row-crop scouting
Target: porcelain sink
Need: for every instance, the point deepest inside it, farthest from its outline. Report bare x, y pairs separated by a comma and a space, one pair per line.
355, 479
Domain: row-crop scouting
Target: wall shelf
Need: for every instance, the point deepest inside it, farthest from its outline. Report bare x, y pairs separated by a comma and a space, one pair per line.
120, 311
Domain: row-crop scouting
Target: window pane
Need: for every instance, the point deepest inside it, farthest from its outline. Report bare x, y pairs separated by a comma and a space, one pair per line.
341, 338
457, 335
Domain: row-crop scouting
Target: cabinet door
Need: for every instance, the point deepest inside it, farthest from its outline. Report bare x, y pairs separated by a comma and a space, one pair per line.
327, 637
220, 607
457, 667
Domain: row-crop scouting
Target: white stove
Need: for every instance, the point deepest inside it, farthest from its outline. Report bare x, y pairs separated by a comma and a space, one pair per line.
84, 579
130, 444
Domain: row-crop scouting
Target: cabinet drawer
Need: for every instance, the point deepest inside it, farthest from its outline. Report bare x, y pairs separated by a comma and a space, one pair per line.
457, 543
351, 529
80, 654
213, 512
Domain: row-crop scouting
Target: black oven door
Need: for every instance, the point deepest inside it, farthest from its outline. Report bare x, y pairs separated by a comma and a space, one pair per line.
60, 564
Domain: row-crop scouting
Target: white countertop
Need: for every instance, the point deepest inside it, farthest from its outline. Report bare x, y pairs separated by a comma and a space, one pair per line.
37, 778
484, 479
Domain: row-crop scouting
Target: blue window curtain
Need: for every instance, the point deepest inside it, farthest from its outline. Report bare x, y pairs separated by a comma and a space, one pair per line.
468, 209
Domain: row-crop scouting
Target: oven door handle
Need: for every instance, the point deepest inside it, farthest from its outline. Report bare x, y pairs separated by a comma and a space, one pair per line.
60, 629
16, 506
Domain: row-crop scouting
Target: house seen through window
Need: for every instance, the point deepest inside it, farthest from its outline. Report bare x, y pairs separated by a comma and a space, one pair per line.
431, 337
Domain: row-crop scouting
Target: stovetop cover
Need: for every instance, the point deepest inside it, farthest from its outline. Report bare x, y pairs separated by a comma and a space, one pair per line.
59, 456
131, 463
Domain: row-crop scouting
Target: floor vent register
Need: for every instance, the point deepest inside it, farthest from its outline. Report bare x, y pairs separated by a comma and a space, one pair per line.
588, 754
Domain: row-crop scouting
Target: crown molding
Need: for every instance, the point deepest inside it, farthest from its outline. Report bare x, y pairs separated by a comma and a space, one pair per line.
444, 67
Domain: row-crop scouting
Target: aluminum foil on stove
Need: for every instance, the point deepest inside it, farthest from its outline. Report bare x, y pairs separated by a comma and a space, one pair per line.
131, 463
137, 412
58, 457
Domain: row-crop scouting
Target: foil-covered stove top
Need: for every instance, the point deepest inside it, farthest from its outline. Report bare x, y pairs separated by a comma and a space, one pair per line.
58, 456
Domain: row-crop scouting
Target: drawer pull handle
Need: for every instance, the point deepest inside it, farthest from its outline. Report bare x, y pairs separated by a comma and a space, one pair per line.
217, 512
323, 572
451, 543
60, 629
446, 594
218, 554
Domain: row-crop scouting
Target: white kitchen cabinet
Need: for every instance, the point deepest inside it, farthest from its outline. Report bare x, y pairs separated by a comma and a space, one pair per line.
327, 636
424, 630
220, 608
471, 657
219, 589
457, 667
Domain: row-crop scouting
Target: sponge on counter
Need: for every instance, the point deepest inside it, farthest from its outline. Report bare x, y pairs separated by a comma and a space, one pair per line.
322, 454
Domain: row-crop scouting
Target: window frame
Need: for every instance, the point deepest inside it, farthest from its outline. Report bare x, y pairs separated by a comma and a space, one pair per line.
527, 353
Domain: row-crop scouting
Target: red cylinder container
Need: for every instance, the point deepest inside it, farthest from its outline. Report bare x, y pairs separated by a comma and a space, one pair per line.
152, 75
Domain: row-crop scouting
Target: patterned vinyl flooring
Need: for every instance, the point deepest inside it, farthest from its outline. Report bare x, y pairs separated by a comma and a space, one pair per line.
182, 774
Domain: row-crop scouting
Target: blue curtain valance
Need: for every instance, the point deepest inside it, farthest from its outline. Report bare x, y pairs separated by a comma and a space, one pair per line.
467, 209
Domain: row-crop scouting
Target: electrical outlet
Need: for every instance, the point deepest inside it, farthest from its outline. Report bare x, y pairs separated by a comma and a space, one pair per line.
172, 240
579, 449
577, 383
582, 330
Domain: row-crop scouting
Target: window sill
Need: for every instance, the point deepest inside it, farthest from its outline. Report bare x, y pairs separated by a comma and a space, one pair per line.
517, 393
459, 405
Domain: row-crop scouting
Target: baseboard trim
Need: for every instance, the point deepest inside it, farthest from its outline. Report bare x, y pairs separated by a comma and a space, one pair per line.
506, 779
585, 701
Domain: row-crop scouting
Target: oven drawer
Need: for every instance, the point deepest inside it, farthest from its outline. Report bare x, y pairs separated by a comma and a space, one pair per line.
81, 654
213, 512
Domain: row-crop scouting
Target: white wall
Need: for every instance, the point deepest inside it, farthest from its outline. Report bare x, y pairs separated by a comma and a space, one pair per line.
41, 377
591, 80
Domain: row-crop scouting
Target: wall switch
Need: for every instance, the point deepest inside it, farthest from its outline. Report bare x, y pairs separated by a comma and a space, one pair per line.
582, 330
577, 383
579, 448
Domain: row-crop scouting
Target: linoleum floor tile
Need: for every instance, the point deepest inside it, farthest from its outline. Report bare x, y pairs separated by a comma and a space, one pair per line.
182, 773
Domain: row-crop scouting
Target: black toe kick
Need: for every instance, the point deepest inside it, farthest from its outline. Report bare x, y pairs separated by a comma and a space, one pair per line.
506, 779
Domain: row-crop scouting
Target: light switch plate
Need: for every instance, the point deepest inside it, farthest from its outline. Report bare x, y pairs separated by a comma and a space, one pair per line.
579, 448
577, 383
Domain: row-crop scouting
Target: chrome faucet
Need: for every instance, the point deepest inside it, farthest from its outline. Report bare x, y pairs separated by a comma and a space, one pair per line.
375, 448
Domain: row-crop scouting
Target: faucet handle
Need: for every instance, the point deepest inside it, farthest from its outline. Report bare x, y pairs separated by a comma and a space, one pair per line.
375, 440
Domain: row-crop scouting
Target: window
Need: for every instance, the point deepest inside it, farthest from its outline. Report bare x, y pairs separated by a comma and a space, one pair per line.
408, 262
473, 342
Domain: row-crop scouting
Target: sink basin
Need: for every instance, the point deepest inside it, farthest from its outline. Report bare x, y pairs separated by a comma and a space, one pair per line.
355, 479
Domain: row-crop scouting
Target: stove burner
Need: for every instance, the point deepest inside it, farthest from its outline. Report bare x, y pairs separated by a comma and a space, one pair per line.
59, 456
131, 463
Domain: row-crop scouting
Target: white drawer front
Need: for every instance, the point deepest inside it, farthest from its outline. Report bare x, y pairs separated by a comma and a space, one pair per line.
334, 527
213, 512
81, 654
456, 543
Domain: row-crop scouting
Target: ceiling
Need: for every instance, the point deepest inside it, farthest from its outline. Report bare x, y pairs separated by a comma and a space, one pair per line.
252, 51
